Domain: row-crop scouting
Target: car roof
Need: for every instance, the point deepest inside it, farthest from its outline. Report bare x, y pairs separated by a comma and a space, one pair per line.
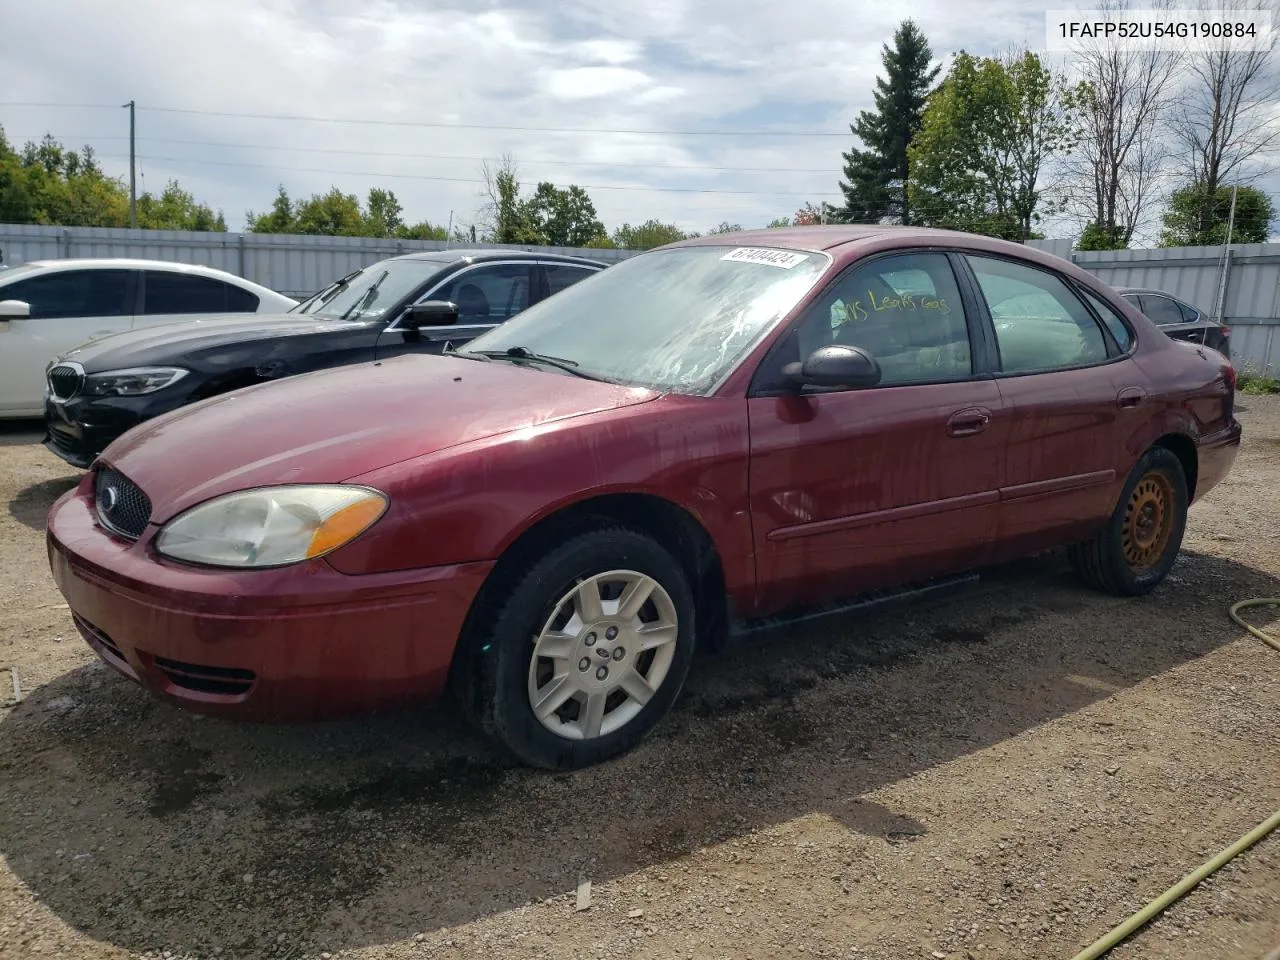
479, 254
845, 242
1163, 293
127, 263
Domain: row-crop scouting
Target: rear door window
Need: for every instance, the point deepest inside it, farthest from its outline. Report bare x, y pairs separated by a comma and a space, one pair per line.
183, 293
561, 275
1189, 313
1040, 324
1162, 310
1119, 331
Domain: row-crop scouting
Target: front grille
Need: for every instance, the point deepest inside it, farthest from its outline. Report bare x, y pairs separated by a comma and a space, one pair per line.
66, 380
227, 681
122, 506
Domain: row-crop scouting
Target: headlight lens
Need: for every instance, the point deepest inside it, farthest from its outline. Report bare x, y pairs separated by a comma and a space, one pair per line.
132, 382
271, 526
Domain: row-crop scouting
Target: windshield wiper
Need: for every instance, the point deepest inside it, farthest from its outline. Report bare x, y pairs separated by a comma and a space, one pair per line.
335, 288
368, 297
519, 354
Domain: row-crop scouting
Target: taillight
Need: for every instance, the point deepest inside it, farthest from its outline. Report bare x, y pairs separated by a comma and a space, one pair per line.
1225, 331
1229, 375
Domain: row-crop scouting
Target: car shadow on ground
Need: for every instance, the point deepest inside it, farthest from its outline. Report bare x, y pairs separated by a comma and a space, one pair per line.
150, 829
30, 507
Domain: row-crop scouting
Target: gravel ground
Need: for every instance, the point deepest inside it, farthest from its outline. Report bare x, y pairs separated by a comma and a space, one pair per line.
1005, 772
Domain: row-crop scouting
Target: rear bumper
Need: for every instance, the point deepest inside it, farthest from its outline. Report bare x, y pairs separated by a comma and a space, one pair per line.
296, 643
1217, 454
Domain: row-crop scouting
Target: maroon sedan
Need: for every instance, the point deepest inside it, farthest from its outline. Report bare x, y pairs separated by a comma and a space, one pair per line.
720, 430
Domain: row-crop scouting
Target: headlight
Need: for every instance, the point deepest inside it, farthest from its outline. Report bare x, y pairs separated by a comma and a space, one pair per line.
132, 382
271, 526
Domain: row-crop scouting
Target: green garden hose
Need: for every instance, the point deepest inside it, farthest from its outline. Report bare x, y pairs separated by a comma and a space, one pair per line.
1191, 880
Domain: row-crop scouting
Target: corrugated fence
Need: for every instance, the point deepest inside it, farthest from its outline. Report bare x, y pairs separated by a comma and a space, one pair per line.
294, 265
1250, 299
300, 265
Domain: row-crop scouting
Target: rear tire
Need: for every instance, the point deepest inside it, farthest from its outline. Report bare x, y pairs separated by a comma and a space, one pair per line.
1134, 552
573, 667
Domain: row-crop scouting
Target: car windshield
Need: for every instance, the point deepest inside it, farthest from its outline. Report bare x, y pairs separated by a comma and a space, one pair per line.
368, 293
674, 320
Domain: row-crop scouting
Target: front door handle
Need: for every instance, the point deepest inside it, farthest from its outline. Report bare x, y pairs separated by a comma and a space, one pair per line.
1130, 397
967, 422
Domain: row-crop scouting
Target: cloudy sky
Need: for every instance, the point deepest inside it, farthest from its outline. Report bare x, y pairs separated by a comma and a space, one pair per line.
692, 111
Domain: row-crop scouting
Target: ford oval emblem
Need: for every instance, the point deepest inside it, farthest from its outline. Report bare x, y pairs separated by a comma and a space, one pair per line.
107, 498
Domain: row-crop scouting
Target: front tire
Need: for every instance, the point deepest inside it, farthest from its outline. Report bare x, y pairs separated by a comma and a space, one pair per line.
1134, 552
584, 652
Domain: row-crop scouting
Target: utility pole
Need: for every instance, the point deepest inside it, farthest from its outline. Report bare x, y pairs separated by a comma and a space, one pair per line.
1226, 257
133, 181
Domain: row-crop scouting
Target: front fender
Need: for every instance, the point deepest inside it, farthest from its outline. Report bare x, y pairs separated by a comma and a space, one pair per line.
476, 499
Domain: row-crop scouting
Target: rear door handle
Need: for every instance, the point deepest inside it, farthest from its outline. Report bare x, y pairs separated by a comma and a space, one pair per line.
967, 422
1130, 397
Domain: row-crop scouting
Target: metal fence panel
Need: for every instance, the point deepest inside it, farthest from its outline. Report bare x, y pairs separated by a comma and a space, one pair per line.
300, 265
295, 265
1250, 300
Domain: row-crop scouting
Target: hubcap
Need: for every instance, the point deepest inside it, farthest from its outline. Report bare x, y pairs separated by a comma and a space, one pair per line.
1148, 522
602, 654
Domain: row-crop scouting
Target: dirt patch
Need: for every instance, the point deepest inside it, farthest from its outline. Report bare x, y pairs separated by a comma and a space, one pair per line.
1006, 771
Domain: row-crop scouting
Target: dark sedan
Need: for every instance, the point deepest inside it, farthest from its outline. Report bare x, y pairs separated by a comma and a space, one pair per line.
418, 303
1179, 319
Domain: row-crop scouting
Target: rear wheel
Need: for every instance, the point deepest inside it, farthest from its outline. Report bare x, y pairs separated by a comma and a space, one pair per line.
585, 652
1140, 542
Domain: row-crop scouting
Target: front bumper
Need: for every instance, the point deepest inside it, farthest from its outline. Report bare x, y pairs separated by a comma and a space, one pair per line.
295, 643
79, 429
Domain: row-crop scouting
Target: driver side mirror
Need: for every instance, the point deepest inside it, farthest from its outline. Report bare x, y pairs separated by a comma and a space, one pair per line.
432, 313
14, 309
835, 365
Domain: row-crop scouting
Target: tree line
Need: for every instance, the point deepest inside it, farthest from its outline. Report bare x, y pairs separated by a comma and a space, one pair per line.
46, 183
998, 144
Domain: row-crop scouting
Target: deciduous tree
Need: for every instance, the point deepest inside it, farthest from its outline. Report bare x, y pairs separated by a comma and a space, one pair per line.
988, 132
1197, 217
647, 235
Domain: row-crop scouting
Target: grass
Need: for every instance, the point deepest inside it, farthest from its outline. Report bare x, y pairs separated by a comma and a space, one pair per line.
1256, 384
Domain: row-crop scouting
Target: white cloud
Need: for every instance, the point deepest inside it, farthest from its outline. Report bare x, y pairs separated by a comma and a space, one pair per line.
601, 65
581, 83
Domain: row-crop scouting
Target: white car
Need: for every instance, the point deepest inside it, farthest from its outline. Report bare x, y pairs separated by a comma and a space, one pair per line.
48, 307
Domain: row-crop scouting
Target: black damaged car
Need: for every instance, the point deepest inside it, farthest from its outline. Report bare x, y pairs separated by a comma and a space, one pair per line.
420, 302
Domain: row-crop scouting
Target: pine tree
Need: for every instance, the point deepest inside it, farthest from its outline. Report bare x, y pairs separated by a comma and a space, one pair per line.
875, 184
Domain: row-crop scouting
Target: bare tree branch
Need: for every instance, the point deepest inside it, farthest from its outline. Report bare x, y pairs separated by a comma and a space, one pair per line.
1226, 125
1125, 96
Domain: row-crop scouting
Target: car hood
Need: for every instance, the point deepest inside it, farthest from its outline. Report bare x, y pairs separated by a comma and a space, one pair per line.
329, 426
170, 342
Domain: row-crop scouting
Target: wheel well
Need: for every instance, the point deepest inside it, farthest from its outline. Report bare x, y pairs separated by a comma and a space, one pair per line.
672, 526
1184, 448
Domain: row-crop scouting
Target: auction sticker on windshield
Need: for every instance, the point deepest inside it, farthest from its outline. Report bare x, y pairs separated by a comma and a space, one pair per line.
773, 258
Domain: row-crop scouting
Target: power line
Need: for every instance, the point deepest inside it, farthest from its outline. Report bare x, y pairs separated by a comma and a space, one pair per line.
438, 156
491, 126
366, 121
74, 106
414, 176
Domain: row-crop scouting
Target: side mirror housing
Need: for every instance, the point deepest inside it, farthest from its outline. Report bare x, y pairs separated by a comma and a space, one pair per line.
432, 313
14, 309
835, 365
